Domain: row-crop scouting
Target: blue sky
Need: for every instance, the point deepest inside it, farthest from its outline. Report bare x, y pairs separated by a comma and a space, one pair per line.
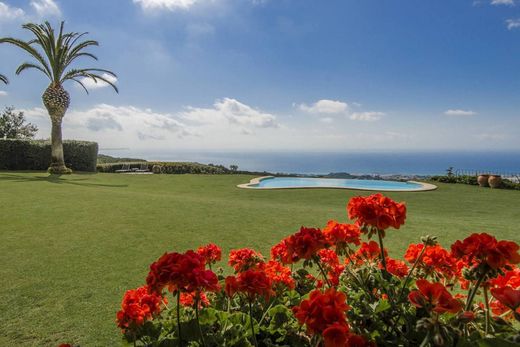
285, 74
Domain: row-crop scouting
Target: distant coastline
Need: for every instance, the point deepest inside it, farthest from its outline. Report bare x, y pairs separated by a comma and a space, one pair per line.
354, 163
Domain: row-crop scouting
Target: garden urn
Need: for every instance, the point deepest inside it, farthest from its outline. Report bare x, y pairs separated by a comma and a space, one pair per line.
483, 180
495, 181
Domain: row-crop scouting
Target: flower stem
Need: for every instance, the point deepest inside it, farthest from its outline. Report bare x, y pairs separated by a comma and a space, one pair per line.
488, 316
317, 261
179, 317
383, 257
409, 276
197, 300
251, 322
473, 292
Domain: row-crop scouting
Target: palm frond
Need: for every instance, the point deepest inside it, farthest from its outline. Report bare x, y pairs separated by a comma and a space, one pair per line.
29, 49
4, 79
26, 66
56, 51
92, 74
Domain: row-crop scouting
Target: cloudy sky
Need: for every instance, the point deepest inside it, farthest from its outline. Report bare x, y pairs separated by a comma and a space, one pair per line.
284, 74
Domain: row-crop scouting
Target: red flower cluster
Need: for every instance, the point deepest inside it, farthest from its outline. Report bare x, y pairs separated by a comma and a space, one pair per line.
322, 310
302, 245
181, 272
368, 252
330, 260
279, 274
245, 259
435, 259
338, 335
377, 211
396, 267
507, 296
137, 307
211, 253
188, 299
253, 283
341, 235
324, 313
510, 278
483, 248
435, 297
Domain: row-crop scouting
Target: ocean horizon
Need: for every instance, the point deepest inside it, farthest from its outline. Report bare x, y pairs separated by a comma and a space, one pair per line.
354, 162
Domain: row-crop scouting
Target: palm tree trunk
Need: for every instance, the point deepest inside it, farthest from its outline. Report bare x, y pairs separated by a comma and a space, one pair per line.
56, 100
57, 160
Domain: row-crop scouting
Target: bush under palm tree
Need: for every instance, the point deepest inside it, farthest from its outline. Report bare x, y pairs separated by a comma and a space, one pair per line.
54, 55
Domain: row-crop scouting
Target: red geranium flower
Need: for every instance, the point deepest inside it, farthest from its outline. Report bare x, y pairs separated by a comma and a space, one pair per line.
368, 252
279, 274
306, 243
510, 278
336, 335
435, 297
342, 234
435, 259
483, 248
322, 310
137, 307
211, 253
181, 272
507, 296
188, 299
302, 245
253, 283
377, 211
396, 267
245, 259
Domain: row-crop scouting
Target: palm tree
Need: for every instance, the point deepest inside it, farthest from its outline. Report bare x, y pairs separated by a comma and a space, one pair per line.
53, 55
3, 79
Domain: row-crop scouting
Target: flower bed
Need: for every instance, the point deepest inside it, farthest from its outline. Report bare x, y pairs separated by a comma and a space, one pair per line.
328, 287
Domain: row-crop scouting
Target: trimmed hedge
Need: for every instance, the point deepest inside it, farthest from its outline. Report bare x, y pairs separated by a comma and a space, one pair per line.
169, 167
36, 154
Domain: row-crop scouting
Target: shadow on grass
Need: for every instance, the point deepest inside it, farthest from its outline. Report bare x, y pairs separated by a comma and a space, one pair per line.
56, 179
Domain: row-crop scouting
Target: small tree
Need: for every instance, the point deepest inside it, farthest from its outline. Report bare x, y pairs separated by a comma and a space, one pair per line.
13, 125
233, 168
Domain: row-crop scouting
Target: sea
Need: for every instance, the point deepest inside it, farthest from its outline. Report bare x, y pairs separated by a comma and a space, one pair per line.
506, 163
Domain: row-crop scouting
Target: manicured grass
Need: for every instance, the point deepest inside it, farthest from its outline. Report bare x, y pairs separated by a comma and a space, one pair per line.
71, 246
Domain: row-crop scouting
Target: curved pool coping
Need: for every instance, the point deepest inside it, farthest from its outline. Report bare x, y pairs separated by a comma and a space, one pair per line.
255, 181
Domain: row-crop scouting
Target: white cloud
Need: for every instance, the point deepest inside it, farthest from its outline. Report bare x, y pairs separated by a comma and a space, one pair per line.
513, 23
460, 113
327, 120
46, 8
170, 5
231, 111
10, 13
503, 2
325, 107
114, 125
367, 116
3, 93
91, 84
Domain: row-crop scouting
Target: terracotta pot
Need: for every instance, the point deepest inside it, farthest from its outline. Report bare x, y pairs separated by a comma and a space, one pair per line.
495, 181
483, 180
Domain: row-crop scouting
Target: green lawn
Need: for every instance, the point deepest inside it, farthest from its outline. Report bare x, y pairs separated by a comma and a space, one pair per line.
71, 246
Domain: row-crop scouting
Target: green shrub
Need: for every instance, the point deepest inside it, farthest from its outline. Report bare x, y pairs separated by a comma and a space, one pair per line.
169, 168
36, 155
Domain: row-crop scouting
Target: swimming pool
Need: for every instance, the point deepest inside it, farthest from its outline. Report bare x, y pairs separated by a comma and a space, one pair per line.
270, 182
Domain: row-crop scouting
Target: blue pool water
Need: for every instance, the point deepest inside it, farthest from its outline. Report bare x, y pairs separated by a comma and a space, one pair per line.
301, 182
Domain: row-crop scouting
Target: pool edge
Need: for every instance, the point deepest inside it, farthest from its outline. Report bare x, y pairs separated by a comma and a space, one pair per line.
255, 181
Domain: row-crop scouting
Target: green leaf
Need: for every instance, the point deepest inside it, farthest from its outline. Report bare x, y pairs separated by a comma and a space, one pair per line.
382, 306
